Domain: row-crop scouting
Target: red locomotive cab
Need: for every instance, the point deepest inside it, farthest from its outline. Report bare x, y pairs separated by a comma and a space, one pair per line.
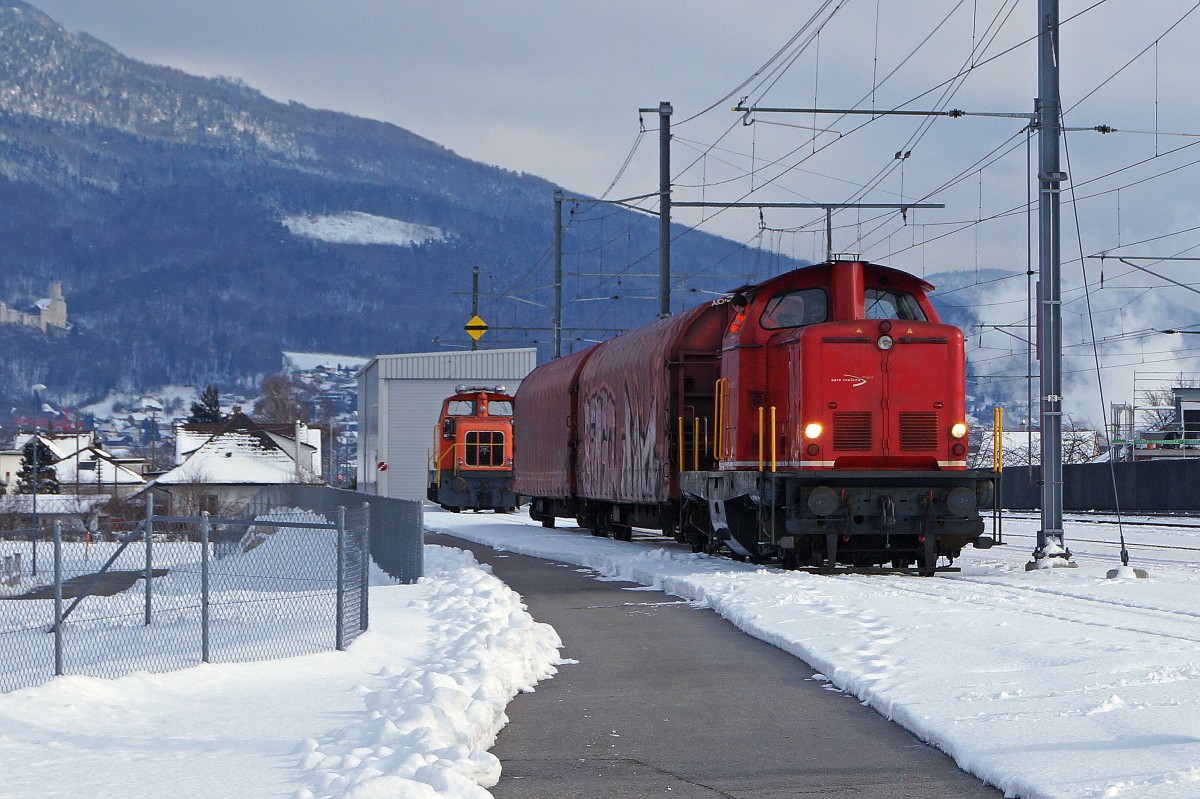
878, 379
472, 458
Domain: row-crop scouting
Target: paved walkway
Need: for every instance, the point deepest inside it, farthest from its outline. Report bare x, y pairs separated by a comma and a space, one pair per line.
671, 701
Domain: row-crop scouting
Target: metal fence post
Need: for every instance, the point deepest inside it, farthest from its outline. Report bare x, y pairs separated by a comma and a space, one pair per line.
341, 577
58, 609
149, 555
363, 603
204, 586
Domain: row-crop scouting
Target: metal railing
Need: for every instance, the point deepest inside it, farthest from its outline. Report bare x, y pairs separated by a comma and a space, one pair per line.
288, 576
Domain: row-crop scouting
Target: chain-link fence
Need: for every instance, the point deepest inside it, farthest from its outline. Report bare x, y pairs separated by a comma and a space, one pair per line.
289, 576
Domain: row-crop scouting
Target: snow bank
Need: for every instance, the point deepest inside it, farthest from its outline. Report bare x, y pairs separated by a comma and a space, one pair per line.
428, 726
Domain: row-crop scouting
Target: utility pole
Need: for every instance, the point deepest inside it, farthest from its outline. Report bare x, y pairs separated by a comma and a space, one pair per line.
474, 301
37, 475
556, 321
1047, 107
664, 112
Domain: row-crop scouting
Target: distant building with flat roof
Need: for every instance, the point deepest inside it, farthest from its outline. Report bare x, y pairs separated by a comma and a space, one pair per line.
399, 400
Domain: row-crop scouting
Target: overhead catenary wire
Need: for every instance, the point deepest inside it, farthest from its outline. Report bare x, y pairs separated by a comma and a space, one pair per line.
763, 168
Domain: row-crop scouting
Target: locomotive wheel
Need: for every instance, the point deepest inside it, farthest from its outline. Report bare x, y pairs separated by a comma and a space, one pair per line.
548, 522
621, 532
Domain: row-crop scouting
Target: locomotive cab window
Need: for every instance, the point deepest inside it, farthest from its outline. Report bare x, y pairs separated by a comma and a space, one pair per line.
500, 408
885, 304
484, 448
795, 309
461, 408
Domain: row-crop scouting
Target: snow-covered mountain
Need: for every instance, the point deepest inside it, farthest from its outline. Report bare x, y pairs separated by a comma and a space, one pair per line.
199, 228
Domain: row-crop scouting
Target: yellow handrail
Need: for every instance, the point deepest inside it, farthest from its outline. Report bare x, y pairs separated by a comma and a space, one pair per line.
717, 419
998, 440
774, 438
680, 441
695, 443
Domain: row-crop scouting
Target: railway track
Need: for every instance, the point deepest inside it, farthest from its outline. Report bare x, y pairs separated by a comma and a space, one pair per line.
1089, 604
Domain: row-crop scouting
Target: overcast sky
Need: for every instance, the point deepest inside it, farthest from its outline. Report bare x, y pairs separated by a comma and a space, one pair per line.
553, 89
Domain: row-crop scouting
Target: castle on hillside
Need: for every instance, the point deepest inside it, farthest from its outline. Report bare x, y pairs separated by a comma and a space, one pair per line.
51, 315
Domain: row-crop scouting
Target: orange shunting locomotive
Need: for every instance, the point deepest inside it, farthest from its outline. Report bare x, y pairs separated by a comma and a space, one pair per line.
471, 463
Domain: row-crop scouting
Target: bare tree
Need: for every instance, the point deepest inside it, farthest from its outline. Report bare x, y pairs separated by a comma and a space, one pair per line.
1157, 403
1080, 444
283, 400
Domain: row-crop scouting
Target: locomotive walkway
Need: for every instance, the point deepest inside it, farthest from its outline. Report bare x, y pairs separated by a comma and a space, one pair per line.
667, 700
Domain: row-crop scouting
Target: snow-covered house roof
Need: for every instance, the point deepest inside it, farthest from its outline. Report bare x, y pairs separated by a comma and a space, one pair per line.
242, 453
190, 436
94, 466
63, 445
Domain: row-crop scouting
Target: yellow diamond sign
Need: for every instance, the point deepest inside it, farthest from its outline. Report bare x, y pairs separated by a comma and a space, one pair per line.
476, 327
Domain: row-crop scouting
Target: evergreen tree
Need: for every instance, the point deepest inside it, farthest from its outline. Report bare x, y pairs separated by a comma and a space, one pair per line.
47, 482
208, 409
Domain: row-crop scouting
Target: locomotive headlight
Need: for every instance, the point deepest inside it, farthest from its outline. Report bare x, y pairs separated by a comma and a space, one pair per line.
813, 430
884, 343
958, 430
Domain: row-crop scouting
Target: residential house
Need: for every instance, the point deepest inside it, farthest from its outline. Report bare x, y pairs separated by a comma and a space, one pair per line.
222, 474
92, 470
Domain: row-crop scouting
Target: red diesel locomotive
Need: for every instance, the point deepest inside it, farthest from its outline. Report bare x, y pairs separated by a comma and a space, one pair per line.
817, 418
471, 463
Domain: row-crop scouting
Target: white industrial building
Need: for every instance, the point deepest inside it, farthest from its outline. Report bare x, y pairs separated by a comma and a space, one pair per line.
399, 399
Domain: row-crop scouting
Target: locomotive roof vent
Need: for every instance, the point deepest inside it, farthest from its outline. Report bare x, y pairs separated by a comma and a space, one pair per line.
850, 257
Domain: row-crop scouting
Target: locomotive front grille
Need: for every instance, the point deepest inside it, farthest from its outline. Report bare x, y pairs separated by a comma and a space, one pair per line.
918, 430
852, 431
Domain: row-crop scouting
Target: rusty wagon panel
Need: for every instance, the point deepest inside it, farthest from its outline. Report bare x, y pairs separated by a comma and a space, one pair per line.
544, 428
629, 401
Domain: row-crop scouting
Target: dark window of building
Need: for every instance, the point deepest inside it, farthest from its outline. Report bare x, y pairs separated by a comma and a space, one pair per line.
1191, 423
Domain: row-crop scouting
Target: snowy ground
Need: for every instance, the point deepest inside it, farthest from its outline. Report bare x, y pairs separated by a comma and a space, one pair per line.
1053, 683
1056, 683
409, 710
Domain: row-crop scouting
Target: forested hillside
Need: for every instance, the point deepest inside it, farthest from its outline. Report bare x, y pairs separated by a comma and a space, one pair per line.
162, 201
